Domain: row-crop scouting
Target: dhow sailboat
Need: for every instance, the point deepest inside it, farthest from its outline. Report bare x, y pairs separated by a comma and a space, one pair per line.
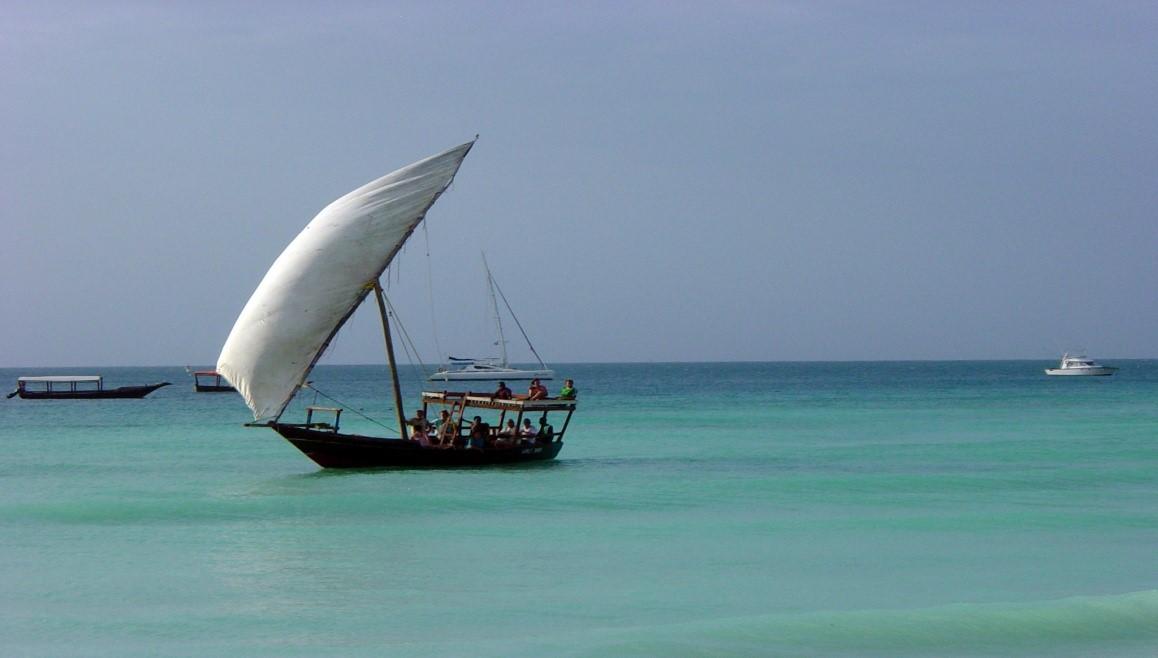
313, 288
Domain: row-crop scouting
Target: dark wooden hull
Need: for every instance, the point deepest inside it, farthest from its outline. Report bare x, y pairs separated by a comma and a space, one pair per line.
104, 394
210, 388
333, 450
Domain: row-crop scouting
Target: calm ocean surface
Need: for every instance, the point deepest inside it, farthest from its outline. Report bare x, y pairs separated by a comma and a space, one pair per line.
780, 509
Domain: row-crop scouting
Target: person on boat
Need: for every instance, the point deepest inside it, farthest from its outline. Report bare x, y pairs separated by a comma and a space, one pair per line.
502, 392
527, 434
419, 424
479, 432
568, 392
537, 391
507, 436
546, 431
421, 438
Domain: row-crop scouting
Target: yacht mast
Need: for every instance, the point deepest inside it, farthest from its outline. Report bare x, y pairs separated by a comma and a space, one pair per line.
495, 308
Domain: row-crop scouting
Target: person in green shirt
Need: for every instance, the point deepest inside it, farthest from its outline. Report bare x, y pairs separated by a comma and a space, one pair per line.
568, 392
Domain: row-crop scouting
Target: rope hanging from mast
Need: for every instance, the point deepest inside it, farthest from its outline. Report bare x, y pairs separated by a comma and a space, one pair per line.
344, 405
407, 342
517, 323
430, 298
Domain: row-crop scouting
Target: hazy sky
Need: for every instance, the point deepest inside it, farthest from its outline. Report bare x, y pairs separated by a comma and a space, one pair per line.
654, 181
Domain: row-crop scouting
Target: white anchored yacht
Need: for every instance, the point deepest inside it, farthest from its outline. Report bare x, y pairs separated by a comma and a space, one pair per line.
1080, 365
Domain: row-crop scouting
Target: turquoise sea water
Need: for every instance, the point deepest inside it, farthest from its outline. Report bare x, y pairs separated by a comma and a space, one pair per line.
780, 509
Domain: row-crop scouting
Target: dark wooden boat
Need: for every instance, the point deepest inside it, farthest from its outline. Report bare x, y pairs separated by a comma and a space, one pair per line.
76, 387
315, 286
333, 450
329, 448
210, 381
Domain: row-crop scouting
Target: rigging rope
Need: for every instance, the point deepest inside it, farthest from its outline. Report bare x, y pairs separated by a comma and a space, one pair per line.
407, 342
346, 406
517, 323
430, 294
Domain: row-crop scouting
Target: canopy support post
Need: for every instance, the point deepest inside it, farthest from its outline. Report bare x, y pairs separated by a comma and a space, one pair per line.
390, 359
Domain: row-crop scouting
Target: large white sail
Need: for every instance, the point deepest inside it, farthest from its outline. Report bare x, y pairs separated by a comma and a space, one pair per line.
322, 276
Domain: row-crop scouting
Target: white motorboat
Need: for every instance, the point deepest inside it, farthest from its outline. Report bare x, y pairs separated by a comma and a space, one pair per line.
1080, 365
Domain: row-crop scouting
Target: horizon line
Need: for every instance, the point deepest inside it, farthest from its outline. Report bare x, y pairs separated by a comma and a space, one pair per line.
596, 363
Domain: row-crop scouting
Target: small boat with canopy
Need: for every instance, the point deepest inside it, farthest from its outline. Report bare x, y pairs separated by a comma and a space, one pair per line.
309, 293
77, 387
209, 381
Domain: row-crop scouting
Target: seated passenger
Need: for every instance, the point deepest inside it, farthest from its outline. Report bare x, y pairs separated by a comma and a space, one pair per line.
527, 433
537, 391
419, 424
502, 392
507, 436
479, 433
568, 392
546, 432
422, 438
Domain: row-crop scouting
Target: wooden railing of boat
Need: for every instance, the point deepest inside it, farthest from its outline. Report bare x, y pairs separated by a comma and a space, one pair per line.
488, 401
461, 401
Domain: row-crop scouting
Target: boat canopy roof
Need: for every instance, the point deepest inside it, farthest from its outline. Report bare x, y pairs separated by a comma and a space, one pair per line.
488, 401
61, 378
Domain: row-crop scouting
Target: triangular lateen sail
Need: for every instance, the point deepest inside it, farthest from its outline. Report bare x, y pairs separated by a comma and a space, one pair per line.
322, 276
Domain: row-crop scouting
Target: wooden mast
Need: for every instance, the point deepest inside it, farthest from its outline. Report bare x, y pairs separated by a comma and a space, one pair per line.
390, 359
